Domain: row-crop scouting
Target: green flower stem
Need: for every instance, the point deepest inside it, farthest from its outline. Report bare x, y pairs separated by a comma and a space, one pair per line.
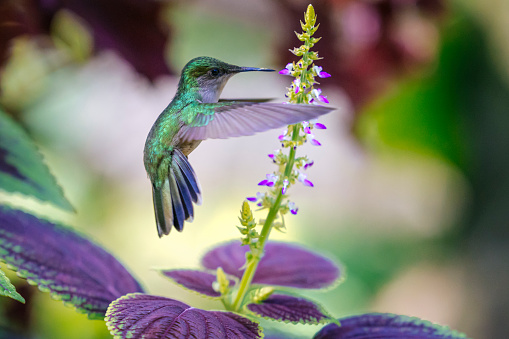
252, 264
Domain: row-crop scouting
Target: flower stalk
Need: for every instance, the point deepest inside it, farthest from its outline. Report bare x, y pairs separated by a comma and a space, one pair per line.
290, 168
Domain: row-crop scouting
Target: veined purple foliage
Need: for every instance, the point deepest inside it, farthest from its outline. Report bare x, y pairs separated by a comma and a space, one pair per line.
139, 316
62, 262
198, 281
289, 309
282, 265
385, 325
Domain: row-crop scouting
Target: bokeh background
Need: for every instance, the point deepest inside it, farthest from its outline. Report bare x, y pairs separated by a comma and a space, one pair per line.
411, 188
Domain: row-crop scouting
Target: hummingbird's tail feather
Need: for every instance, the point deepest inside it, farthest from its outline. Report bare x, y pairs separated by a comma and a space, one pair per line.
187, 173
162, 208
173, 203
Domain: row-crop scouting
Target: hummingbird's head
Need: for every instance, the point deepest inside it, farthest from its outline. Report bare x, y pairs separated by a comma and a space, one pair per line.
209, 75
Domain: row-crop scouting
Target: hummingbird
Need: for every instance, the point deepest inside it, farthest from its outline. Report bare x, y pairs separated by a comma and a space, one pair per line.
194, 114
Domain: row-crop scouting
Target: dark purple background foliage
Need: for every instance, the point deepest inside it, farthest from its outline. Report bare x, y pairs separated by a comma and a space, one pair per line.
62, 262
289, 308
131, 28
282, 265
195, 280
147, 316
386, 326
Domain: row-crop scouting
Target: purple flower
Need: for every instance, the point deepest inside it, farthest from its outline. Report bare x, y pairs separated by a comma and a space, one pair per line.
296, 83
313, 141
284, 136
306, 182
269, 182
307, 130
293, 208
252, 199
320, 126
308, 164
317, 94
287, 70
285, 185
320, 73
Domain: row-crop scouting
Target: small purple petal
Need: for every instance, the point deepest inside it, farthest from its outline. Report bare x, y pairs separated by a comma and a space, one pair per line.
269, 184
323, 99
293, 208
297, 89
281, 137
315, 142
320, 126
308, 183
285, 185
307, 130
272, 156
324, 75
252, 199
284, 71
263, 182
309, 164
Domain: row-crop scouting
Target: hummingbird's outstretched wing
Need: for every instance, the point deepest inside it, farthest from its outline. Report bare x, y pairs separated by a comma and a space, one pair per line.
173, 202
247, 100
237, 118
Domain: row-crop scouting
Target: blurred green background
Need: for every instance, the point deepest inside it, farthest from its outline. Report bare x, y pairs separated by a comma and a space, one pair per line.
411, 188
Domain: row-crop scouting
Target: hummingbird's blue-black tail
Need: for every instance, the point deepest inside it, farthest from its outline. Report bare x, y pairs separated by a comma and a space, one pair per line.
173, 202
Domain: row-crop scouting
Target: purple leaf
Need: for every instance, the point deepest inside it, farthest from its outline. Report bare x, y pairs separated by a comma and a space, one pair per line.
195, 280
146, 316
282, 265
61, 262
385, 325
289, 309
22, 168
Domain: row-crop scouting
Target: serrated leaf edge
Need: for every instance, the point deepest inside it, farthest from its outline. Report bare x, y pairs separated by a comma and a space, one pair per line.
327, 320
63, 202
111, 327
10, 289
24, 274
342, 269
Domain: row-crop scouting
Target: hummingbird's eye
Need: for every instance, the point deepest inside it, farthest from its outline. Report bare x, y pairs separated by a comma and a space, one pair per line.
215, 72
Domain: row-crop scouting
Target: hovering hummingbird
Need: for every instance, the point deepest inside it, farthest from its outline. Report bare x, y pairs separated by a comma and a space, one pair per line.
194, 115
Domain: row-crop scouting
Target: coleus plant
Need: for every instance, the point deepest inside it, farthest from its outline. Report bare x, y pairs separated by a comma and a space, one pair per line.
254, 279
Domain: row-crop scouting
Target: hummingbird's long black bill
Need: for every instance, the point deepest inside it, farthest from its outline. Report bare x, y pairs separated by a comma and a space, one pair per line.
254, 69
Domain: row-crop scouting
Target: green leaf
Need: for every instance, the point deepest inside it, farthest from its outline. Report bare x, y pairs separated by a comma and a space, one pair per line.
22, 168
7, 289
